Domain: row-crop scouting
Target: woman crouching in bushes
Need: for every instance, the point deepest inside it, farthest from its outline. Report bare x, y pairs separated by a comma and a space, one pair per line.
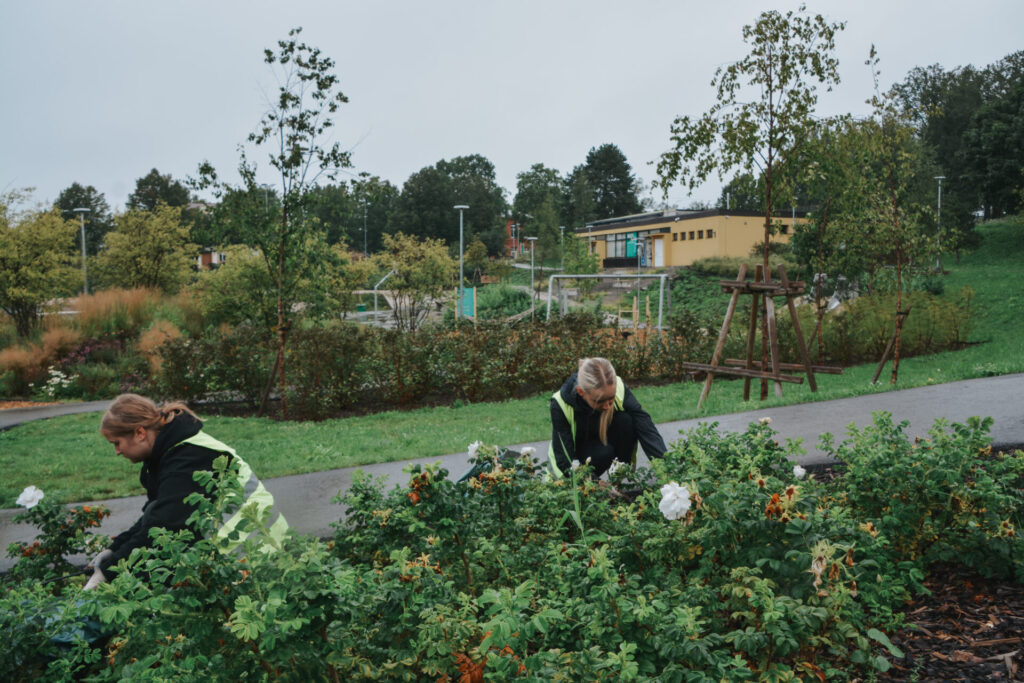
596, 419
169, 442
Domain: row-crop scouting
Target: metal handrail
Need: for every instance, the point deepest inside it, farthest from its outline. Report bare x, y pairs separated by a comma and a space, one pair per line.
390, 273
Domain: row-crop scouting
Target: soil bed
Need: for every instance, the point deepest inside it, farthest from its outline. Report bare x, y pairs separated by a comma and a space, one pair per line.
969, 628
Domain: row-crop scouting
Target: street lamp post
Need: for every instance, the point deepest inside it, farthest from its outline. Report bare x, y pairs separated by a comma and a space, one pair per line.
533, 291
938, 261
85, 274
460, 208
365, 253
561, 244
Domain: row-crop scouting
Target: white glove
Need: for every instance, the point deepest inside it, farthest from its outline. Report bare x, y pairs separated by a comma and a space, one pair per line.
96, 561
96, 579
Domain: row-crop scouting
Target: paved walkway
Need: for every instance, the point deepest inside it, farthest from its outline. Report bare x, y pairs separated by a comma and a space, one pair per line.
305, 499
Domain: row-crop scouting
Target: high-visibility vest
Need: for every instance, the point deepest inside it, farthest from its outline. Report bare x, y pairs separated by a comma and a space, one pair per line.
570, 413
255, 495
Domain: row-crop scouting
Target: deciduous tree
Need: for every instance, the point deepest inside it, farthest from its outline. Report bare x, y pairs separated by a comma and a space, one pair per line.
476, 259
35, 260
294, 131
423, 271
536, 186
995, 152
763, 108
148, 249
425, 206
580, 260
743, 193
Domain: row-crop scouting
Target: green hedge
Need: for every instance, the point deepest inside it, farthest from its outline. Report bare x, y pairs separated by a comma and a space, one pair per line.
346, 366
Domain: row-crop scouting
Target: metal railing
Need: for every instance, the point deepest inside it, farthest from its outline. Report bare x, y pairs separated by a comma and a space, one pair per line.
661, 289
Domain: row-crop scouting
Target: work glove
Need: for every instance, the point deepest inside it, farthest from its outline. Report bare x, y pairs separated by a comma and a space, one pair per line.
98, 560
96, 579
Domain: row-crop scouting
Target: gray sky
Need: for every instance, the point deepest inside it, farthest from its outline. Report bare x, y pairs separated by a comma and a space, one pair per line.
100, 92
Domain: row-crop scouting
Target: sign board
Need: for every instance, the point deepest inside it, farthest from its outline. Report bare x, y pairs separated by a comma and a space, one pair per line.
467, 307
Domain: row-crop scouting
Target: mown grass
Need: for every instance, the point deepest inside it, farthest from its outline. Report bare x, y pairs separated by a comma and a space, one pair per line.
68, 459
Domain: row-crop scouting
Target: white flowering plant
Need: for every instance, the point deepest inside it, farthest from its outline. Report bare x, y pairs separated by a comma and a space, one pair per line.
58, 385
63, 532
675, 501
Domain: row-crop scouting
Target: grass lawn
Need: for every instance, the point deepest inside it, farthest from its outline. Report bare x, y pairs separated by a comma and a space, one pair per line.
68, 459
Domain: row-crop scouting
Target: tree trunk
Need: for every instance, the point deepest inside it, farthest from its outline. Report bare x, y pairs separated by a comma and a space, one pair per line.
282, 326
817, 284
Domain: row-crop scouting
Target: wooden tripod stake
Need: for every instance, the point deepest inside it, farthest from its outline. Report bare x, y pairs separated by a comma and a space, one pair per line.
762, 291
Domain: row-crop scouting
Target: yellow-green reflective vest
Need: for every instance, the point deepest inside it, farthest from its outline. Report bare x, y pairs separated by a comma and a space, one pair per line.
570, 413
255, 495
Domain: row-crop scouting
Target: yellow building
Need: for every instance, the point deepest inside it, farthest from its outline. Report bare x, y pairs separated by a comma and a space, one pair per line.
674, 238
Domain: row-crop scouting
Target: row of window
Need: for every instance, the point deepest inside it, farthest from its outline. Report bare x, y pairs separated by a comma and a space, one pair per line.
623, 245
677, 236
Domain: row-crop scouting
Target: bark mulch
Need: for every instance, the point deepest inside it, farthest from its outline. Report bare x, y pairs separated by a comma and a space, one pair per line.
7, 405
970, 628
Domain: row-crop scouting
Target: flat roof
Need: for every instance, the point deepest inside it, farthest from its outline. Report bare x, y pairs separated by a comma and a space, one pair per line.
671, 216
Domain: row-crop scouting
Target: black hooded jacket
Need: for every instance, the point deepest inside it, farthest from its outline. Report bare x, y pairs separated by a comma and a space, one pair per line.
167, 477
588, 423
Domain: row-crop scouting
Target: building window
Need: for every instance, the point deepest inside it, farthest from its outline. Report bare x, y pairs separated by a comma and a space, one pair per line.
691, 234
711, 233
675, 237
784, 229
700, 234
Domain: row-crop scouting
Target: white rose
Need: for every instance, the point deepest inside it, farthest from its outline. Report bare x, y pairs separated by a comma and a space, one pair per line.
799, 472
30, 497
473, 448
529, 450
675, 501
765, 421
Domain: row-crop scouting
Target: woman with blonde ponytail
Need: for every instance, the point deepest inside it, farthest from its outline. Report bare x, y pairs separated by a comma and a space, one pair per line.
169, 443
596, 419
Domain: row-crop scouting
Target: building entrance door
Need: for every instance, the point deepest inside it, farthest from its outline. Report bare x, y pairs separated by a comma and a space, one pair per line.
659, 253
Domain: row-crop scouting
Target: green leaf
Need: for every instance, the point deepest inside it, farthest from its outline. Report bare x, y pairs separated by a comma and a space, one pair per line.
877, 635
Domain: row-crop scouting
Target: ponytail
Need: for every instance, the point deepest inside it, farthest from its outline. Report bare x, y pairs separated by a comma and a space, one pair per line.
128, 412
595, 374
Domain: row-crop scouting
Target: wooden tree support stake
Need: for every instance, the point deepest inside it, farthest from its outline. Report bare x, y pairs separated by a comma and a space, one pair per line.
770, 367
901, 316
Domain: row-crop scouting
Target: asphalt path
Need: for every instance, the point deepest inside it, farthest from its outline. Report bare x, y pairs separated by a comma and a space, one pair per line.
306, 499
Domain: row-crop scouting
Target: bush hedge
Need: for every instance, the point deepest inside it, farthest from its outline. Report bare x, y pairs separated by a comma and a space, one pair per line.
721, 562
346, 366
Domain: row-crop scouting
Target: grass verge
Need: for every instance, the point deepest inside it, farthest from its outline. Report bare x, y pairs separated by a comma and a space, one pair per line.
68, 459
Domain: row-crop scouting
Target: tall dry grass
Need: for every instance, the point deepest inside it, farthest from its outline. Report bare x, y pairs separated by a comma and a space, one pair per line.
116, 312
28, 364
152, 339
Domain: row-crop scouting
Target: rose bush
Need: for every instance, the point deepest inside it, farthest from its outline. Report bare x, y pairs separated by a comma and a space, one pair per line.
721, 562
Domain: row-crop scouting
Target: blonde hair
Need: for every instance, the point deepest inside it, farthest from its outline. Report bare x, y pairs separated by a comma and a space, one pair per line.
595, 374
128, 412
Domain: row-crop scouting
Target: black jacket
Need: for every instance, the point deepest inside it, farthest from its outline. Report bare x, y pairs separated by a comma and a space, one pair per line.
588, 422
167, 478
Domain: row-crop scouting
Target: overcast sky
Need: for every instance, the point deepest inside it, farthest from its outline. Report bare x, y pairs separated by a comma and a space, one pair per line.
100, 92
